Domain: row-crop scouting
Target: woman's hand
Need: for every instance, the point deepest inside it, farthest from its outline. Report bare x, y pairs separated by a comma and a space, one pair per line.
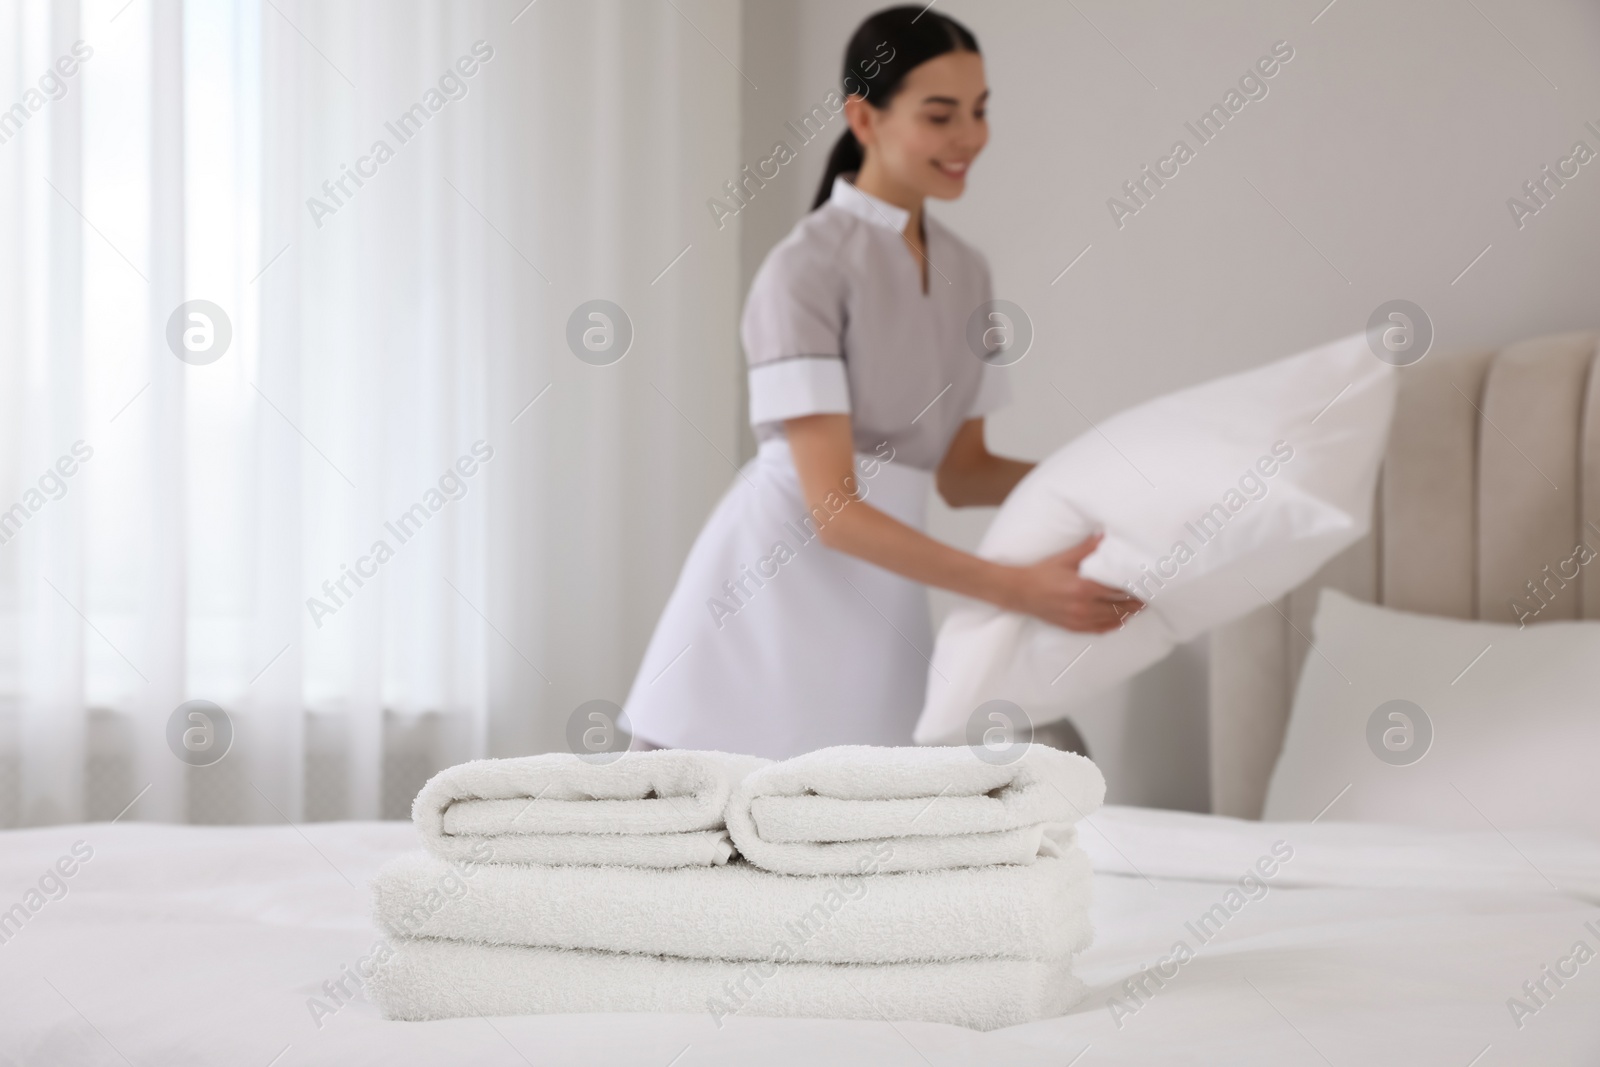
824, 458
972, 476
1054, 591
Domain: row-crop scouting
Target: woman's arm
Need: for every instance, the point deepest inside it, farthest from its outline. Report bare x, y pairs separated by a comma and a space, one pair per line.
824, 456
972, 476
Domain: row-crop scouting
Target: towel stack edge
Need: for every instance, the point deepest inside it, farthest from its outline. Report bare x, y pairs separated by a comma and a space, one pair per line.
740, 912
439, 979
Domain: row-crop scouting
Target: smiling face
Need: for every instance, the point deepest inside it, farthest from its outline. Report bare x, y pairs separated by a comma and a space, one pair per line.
923, 143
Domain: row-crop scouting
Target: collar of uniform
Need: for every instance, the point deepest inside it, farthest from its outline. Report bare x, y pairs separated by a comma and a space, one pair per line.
845, 195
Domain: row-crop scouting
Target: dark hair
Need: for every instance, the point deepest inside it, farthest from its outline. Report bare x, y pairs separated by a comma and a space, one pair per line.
884, 49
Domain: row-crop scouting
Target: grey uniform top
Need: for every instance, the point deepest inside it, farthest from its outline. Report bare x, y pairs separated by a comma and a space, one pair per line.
837, 322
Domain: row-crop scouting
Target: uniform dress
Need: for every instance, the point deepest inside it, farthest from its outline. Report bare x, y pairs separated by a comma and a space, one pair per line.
773, 644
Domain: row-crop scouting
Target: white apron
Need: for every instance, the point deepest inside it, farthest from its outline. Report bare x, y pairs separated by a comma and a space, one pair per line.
773, 644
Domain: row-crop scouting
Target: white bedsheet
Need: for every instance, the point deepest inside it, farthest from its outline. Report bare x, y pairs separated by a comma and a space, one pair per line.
183, 946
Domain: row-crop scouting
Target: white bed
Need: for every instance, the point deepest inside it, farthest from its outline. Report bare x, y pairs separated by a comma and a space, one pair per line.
1374, 943
182, 945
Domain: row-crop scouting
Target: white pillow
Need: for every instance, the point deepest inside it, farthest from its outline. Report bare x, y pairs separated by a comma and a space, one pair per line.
1204, 468
1506, 736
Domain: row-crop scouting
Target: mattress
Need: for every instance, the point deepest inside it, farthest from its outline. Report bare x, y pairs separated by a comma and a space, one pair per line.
1301, 943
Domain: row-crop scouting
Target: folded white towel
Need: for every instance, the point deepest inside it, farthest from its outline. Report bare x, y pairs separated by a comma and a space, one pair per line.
429, 979
646, 809
937, 807
739, 912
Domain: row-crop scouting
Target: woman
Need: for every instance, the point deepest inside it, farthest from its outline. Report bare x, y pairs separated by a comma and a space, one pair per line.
801, 618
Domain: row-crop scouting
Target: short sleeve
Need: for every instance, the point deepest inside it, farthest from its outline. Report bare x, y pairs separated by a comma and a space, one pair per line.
792, 330
994, 391
801, 385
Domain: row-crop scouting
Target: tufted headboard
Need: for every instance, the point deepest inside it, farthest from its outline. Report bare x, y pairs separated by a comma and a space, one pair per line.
1492, 474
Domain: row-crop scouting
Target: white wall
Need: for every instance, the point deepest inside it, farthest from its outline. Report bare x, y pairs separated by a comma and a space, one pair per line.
1378, 165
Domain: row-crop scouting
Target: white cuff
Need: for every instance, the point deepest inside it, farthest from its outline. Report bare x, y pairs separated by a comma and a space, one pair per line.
994, 391
789, 388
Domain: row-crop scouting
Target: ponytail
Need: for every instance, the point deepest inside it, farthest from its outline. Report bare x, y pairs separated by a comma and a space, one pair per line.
845, 158
884, 49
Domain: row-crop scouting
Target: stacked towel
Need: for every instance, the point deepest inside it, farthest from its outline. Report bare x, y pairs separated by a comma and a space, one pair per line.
645, 809
869, 883
740, 914
935, 807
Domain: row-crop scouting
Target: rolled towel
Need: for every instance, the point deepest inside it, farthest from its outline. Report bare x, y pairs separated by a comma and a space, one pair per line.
643, 809
429, 979
739, 912
936, 807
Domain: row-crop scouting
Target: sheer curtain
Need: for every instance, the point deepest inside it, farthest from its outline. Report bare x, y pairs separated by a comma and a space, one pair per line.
398, 521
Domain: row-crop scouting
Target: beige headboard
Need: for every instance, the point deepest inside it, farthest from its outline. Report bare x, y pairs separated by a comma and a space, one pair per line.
1492, 473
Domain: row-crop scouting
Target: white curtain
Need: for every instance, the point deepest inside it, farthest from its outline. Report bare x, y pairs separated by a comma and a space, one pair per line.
398, 374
